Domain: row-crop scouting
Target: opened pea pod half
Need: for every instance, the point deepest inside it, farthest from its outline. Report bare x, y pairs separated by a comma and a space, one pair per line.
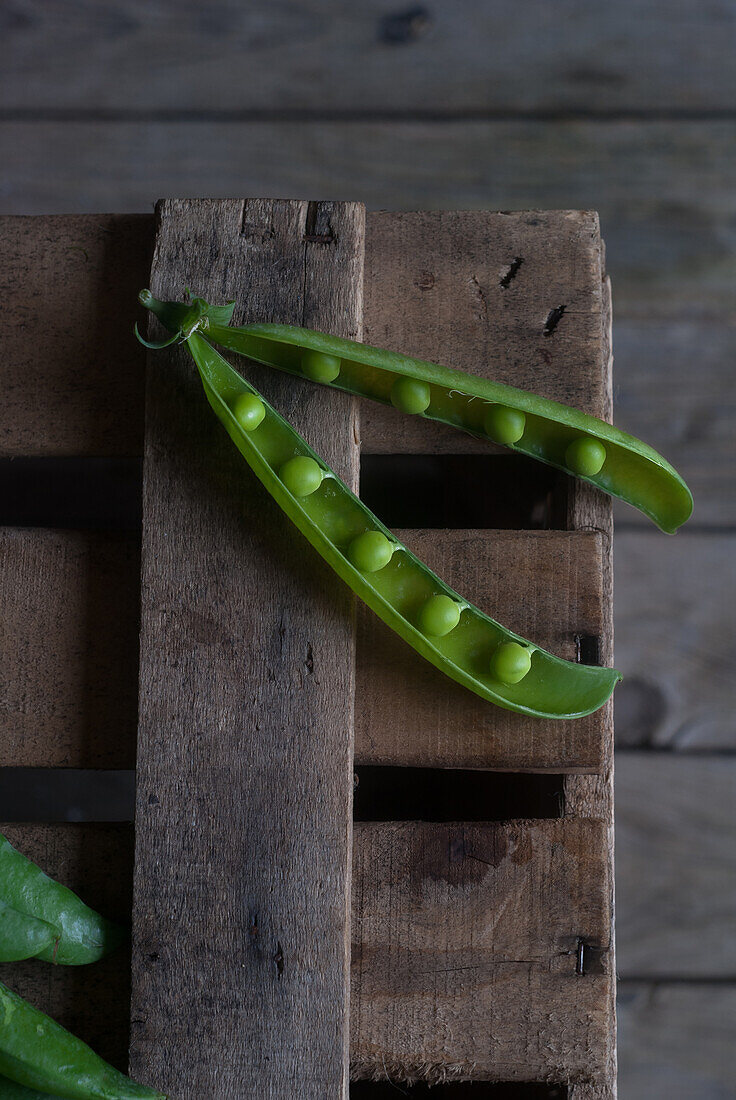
451, 633
565, 438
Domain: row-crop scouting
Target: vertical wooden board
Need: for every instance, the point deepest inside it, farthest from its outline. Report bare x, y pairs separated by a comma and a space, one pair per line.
466, 946
69, 634
240, 950
72, 372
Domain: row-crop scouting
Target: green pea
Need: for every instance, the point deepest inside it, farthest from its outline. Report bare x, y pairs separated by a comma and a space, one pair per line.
301, 475
370, 551
438, 616
410, 395
249, 411
510, 662
320, 367
504, 425
585, 456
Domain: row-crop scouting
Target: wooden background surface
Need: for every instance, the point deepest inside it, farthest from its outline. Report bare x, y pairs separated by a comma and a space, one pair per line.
627, 109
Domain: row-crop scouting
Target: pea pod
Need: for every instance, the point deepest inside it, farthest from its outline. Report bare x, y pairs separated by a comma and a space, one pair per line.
11, 1090
82, 935
40, 1054
23, 936
447, 630
563, 437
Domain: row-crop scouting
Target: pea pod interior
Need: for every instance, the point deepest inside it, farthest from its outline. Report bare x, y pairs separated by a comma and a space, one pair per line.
333, 518
550, 432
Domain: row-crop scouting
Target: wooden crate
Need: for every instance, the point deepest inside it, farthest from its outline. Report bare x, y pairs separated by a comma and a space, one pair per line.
482, 943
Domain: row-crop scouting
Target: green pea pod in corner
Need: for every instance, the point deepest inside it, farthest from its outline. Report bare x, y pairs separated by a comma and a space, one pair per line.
581, 445
444, 628
80, 935
11, 1090
40, 1054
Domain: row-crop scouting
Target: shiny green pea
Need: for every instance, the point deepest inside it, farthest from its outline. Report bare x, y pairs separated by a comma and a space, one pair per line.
301, 475
249, 411
585, 456
370, 551
510, 662
319, 367
438, 616
504, 425
410, 395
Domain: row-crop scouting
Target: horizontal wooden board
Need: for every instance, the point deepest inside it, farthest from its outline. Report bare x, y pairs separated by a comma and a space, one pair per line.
91, 1001
663, 189
70, 603
673, 388
69, 631
474, 927
676, 1041
542, 584
72, 372
674, 639
676, 866
465, 945
434, 58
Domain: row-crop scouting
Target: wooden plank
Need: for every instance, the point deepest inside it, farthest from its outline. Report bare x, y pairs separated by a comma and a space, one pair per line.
260, 870
72, 374
676, 866
447, 58
465, 951
677, 1040
471, 931
673, 388
663, 188
675, 643
92, 1001
542, 584
69, 636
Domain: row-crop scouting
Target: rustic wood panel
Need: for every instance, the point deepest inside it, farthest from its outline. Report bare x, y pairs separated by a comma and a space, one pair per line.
444, 58
676, 866
465, 944
69, 638
542, 584
92, 1001
663, 189
677, 1040
72, 374
261, 869
674, 389
675, 640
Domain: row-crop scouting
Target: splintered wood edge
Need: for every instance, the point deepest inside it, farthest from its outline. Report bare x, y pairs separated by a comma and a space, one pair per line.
554, 871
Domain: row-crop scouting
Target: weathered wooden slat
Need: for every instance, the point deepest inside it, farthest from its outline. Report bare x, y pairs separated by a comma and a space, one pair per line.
244, 791
72, 373
442, 58
470, 932
542, 584
91, 1001
677, 1040
69, 639
674, 640
663, 188
465, 951
676, 866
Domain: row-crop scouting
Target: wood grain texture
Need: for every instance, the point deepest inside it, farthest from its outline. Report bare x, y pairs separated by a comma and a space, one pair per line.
465, 947
443, 58
676, 649
542, 584
71, 373
676, 864
243, 818
677, 1040
69, 639
663, 188
96, 861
